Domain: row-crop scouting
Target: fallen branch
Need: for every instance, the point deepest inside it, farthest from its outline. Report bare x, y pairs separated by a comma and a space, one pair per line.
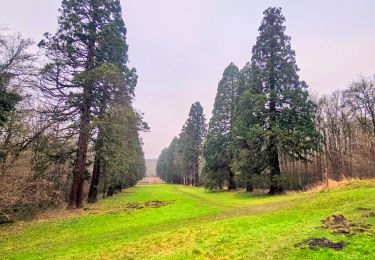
4, 218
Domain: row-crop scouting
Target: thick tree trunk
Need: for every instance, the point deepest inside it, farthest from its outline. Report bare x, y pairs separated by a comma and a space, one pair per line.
76, 190
276, 186
93, 192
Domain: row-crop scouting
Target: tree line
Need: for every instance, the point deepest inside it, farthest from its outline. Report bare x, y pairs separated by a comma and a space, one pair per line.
180, 162
68, 128
266, 130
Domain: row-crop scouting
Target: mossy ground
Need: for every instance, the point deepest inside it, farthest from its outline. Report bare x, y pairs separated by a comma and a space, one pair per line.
193, 223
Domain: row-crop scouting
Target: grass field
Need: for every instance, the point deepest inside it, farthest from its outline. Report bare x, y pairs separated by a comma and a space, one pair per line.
177, 222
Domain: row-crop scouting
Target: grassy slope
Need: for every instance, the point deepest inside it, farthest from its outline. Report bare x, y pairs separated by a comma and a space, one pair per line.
198, 224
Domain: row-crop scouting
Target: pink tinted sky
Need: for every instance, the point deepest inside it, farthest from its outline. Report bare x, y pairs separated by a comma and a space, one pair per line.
180, 48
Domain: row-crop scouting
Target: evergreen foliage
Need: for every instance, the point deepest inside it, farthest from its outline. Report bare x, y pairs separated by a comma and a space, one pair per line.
8, 100
180, 162
167, 164
218, 148
191, 144
122, 160
86, 75
274, 115
16, 64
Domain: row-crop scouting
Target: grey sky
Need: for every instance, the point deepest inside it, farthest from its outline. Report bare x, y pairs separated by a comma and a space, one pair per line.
181, 47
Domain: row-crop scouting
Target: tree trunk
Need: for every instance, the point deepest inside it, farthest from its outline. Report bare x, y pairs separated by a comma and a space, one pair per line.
76, 190
93, 192
276, 187
249, 186
231, 182
104, 190
196, 174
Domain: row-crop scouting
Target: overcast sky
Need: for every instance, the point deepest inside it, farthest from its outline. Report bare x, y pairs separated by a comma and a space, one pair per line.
180, 48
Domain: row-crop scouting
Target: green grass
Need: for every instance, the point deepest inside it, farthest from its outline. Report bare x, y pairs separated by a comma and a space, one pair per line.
197, 224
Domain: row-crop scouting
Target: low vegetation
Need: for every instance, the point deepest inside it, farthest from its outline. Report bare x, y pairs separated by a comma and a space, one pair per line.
177, 222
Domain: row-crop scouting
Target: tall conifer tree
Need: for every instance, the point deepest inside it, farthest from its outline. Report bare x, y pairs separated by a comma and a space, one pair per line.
191, 142
218, 148
166, 167
88, 44
274, 115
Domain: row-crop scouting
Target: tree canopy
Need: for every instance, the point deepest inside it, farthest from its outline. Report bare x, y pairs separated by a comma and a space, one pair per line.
274, 114
218, 147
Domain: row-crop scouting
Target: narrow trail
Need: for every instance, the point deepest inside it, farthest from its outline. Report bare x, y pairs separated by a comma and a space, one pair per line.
223, 213
150, 180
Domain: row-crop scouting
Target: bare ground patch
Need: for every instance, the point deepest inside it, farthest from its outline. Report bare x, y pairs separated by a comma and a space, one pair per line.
131, 206
157, 203
340, 225
316, 243
337, 225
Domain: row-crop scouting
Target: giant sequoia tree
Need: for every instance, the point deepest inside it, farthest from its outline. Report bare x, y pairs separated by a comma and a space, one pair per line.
116, 122
191, 142
218, 148
86, 51
274, 115
115, 90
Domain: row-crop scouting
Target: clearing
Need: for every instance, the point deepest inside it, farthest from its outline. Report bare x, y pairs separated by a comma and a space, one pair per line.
176, 222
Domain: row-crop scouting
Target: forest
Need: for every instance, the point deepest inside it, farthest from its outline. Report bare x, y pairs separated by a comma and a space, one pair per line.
277, 172
68, 129
268, 131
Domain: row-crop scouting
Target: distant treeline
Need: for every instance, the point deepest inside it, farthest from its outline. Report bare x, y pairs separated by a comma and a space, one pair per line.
69, 120
267, 131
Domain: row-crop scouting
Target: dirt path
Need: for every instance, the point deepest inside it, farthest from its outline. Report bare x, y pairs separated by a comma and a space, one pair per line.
150, 181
